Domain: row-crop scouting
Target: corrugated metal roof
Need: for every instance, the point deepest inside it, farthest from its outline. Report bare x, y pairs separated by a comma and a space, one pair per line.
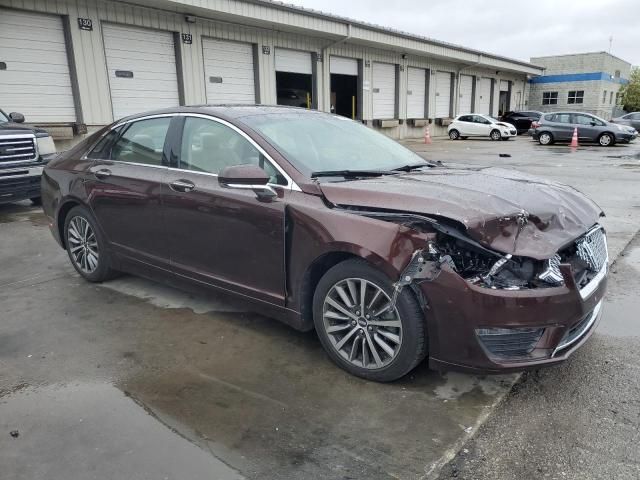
371, 26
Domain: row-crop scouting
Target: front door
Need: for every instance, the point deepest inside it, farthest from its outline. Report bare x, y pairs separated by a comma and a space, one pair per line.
589, 128
126, 182
222, 236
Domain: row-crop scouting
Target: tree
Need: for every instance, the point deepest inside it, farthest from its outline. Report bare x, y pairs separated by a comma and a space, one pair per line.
630, 92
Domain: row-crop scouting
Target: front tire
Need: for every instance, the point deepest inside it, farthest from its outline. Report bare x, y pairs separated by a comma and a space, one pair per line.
606, 140
360, 330
495, 135
86, 246
454, 134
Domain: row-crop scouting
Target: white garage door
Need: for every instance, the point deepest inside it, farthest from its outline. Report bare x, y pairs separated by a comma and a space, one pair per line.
228, 71
416, 86
443, 94
484, 96
293, 61
142, 69
466, 93
384, 90
34, 77
344, 66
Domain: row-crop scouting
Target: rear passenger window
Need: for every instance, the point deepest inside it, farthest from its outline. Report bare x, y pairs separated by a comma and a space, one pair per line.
102, 150
466, 118
142, 142
562, 118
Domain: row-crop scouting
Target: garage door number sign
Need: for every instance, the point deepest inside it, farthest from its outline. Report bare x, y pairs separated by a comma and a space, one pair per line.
85, 24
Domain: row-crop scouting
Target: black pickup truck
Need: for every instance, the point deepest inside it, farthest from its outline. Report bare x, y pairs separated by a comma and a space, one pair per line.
24, 150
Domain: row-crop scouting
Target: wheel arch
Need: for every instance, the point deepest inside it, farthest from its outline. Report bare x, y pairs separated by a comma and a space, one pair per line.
324, 262
63, 211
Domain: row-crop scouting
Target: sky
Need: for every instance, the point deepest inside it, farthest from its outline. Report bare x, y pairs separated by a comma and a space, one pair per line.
513, 29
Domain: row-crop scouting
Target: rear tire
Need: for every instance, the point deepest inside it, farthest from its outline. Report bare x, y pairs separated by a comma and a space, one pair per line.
545, 138
86, 246
606, 140
454, 134
495, 135
398, 348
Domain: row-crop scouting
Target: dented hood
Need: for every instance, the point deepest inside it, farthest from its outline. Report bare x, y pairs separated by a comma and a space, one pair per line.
505, 210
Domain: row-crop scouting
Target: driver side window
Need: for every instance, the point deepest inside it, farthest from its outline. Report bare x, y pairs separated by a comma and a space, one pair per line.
209, 146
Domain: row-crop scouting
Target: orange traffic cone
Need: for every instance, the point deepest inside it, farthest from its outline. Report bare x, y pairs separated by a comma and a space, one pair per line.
427, 136
574, 139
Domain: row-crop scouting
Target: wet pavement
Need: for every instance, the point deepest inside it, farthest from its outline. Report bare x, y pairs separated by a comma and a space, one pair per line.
131, 379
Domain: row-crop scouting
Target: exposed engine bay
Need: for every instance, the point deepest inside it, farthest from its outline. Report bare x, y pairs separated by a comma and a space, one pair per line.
484, 267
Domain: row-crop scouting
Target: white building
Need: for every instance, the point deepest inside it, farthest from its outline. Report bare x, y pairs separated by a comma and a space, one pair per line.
73, 66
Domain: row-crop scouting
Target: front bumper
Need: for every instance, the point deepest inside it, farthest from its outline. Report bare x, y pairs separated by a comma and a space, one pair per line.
20, 183
625, 137
457, 310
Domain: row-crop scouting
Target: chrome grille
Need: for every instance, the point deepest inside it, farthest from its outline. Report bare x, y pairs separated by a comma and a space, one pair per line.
17, 149
592, 249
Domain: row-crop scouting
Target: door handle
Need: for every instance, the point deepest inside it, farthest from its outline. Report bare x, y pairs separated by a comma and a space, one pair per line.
102, 173
182, 186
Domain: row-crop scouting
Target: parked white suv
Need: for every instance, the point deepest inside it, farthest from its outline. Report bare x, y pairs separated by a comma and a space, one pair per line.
475, 125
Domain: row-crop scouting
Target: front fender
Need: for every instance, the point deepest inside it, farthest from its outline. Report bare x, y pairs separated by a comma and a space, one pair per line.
315, 232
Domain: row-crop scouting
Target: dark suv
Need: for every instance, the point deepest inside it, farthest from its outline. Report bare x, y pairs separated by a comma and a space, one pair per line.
559, 127
521, 120
24, 150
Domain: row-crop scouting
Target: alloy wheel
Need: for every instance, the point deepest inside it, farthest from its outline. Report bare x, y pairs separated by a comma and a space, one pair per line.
453, 134
495, 135
83, 244
362, 324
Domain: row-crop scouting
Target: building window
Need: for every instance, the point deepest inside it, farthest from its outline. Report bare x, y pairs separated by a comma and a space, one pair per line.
617, 98
604, 96
611, 98
549, 98
575, 96
617, 74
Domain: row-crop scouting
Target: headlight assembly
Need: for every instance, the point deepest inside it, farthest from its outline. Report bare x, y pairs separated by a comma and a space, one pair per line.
46, 145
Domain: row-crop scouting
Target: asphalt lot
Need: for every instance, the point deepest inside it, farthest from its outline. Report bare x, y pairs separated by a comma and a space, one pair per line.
131, 380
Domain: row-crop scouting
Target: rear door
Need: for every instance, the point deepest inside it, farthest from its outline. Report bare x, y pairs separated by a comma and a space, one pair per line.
563, 126
222, 236
125, 188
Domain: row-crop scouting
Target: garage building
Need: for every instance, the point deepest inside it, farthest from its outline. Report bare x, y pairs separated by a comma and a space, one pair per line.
74, 66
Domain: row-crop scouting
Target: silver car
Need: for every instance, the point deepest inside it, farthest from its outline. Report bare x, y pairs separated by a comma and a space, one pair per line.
559, 127
630, 119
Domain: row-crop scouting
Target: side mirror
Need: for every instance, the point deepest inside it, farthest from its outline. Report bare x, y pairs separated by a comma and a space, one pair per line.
247, 177
16, 117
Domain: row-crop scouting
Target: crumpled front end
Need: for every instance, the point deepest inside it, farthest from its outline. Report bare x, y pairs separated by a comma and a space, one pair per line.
516, 313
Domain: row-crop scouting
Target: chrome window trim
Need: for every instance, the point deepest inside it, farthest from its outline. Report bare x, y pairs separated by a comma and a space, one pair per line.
291, 185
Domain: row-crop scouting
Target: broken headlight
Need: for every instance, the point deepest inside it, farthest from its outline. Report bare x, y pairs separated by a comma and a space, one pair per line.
488, 269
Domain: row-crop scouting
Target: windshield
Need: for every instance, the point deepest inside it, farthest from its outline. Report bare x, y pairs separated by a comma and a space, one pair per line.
321, 142
3, 117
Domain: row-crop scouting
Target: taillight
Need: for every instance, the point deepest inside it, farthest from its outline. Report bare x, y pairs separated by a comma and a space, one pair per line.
535, 124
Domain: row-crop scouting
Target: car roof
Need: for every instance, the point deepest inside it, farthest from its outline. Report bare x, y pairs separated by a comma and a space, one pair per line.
231, 111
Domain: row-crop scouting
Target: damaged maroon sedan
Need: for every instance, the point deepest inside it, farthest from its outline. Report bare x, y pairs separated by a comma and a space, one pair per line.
323, 223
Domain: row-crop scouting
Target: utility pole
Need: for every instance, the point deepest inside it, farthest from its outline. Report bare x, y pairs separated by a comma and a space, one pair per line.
610, 42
